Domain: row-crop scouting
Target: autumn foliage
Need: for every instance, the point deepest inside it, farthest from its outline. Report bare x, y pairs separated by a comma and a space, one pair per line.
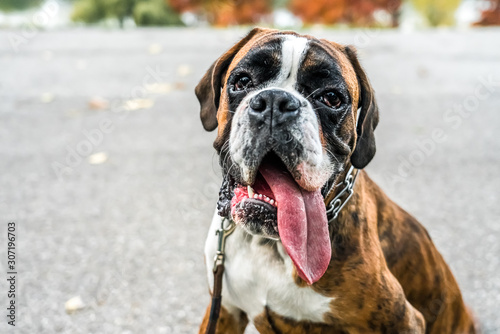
226, 12
491, 16
356, 12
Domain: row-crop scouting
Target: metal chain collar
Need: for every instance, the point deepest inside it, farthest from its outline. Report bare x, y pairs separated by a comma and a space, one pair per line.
333, 208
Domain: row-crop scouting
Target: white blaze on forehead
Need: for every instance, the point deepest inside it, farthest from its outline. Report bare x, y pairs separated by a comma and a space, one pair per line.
315, 164
293, 50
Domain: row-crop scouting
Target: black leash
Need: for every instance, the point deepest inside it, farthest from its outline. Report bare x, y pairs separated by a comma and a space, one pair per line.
223, 233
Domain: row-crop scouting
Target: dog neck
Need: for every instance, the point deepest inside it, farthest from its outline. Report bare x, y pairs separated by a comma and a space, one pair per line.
353, 223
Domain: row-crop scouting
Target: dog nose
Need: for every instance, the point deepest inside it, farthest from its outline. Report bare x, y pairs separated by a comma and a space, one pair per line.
276, 106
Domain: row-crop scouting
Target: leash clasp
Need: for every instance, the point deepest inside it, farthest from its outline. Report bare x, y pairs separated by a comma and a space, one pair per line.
223, 232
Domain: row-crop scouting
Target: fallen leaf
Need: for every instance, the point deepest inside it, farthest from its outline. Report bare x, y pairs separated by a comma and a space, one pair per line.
74, 304
98, 103
98, 158
136, 104
180, 85
184, 70
160, 88
46, 97
155, 49
422, 72
73, 113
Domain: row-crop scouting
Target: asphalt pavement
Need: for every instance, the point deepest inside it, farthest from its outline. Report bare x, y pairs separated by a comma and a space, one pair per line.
111, 180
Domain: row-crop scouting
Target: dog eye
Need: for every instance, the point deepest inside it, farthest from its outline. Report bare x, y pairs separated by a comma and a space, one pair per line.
330, 99
242, 83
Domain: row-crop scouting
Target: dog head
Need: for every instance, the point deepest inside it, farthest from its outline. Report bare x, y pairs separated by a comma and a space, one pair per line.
292, 113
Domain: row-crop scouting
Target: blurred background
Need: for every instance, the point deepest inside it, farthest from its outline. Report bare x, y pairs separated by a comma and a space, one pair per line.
111, 180
223, 13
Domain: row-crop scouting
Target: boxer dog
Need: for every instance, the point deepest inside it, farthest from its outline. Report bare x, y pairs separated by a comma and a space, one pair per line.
295, 118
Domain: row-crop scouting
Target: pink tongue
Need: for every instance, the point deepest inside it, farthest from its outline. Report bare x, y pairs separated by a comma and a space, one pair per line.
302, 224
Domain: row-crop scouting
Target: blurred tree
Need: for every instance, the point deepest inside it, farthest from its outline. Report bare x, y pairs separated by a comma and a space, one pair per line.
144, 12
357, 12
490, 16
120, 9
319, 11
280, 3
89, 11
361, 12
155, 13
437, 12
185, 5
226, 12
11, 5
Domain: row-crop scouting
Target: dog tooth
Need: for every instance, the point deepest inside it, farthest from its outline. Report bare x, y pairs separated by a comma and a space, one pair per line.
260, 196
250, 191
272, 202
256, 196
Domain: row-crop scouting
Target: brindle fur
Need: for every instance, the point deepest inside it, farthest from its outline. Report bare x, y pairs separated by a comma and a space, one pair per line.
385, 273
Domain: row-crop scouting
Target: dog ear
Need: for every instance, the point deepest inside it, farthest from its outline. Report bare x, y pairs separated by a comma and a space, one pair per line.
208, 90
368, 115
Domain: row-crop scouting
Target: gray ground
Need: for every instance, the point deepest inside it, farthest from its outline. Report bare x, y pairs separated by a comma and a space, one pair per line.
127, 234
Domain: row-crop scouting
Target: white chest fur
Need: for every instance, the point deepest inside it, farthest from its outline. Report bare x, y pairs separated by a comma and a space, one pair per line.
259, 275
